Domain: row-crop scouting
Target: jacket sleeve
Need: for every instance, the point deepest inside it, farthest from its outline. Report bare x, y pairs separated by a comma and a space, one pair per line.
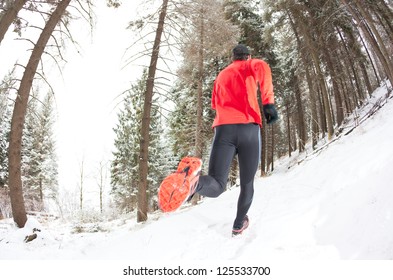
263, 75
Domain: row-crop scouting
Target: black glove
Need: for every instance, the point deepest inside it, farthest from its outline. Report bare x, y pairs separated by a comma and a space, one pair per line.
270, 112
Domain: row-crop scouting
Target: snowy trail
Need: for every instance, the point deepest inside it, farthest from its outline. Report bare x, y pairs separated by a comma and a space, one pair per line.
337, 205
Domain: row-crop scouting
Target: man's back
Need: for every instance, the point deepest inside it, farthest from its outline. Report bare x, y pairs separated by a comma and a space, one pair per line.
235, 92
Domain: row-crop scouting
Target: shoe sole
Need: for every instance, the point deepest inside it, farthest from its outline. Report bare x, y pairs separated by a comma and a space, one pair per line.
175, 188
173, 192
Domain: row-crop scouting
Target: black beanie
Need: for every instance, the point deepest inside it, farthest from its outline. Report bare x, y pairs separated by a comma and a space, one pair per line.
240, 50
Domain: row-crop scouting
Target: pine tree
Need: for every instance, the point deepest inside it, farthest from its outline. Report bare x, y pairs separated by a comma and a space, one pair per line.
124, 167
182, 121
161, 159
6, 90
5, 123
39, 161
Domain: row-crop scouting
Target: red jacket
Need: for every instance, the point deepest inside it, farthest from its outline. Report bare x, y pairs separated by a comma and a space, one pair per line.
234, 96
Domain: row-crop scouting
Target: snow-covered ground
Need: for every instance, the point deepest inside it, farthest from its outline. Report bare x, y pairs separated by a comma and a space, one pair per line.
336, 204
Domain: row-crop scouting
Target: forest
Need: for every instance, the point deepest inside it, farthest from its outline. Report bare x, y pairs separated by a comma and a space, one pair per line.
327, 57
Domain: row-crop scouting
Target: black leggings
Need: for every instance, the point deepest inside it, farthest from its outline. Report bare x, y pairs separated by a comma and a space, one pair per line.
229, 140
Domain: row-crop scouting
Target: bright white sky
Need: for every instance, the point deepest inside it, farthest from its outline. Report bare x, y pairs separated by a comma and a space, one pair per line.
89, 100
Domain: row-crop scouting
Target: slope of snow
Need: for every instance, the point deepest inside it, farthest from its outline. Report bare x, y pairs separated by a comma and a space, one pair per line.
334, 205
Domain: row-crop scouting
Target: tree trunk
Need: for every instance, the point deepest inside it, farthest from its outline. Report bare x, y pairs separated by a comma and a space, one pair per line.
364, 24
313, 48
9, 16
380, 42
199, 120
81, 178
145, 130
101, 184
336, 90
19, 114
314, 114
346, 100
371, 62
386, 26
306, 62
322, 116
324, 95
288, 130
384, 11
366, 78
300, 116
